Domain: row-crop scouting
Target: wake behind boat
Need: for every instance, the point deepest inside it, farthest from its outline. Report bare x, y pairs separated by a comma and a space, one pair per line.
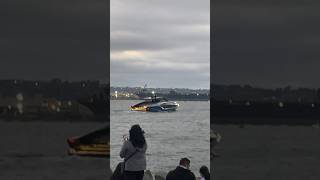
155, 104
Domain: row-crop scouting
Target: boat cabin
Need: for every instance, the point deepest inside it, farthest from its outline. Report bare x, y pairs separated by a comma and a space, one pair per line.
156, 99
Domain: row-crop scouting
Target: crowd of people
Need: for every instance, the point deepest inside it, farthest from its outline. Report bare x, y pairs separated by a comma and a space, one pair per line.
133, 152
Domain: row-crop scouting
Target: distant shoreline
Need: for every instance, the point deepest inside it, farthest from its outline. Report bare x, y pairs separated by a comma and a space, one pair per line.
170, 99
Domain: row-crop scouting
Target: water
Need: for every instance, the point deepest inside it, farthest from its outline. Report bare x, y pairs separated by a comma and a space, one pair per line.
38, 151
170, 135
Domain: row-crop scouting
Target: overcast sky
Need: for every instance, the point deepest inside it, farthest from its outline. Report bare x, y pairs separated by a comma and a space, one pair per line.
266, 43
45, 39
162, 43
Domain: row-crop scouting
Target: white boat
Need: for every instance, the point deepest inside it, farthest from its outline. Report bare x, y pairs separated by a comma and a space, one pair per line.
155, 104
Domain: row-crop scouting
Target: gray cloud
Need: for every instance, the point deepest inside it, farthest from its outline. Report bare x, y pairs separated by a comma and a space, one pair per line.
162, 43
266, 43
48, 39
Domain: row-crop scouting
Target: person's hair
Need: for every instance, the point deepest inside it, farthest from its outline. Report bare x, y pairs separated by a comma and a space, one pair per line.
204, 171
137, 136
184, 161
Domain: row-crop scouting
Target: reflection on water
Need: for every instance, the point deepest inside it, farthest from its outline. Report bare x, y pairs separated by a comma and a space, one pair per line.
170, 135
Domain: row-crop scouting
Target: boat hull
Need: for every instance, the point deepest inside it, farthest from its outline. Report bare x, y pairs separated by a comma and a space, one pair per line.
155, 108
95, 144
160, 109
96, 150
155, 104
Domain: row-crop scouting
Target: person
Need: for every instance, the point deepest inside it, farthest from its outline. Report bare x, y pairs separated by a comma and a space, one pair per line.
215, 139
134, 152
204, 173
182, 172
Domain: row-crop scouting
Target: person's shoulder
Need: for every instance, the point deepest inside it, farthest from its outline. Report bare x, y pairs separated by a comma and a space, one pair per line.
192, 175
171, 171
169, 175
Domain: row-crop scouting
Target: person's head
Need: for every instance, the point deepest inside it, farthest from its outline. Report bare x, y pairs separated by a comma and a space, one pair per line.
204, 172
137, 136
185, 162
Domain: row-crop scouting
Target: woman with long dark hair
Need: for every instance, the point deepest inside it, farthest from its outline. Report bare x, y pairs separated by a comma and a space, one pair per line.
204, 172
134, 153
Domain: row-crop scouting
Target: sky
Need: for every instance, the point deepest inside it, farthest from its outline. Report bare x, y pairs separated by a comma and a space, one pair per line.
160, 43
45, 39
266, 43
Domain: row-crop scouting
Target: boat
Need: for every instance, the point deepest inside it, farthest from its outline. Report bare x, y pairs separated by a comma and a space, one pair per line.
94, 144
155, 104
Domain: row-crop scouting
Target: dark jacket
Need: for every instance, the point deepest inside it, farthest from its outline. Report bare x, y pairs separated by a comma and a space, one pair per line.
180, 174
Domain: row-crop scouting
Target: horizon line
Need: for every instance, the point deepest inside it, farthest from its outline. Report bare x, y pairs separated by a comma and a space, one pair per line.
160, 87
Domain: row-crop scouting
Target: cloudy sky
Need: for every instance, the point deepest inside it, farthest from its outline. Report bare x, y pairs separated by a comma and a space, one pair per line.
162, 43
266, 43
45, 39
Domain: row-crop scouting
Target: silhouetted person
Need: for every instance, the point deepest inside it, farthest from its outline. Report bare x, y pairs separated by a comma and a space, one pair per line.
134, 152
215, 138
204, 173
182, 172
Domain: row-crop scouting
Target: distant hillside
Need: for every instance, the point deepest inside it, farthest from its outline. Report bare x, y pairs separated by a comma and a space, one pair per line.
249, 93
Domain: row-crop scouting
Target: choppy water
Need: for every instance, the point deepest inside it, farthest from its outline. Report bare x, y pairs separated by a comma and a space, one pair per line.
170, 135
